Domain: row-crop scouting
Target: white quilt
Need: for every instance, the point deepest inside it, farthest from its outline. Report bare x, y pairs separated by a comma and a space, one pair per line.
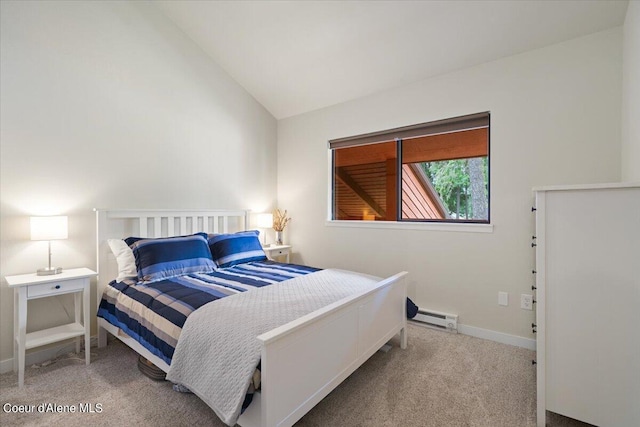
218, 352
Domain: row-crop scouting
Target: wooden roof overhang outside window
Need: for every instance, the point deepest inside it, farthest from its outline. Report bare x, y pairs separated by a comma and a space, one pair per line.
365, 173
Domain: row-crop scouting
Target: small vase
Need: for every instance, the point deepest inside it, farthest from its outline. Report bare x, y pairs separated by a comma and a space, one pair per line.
278, 237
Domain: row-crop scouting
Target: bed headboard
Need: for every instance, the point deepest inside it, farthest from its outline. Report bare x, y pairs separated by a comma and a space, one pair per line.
119, 224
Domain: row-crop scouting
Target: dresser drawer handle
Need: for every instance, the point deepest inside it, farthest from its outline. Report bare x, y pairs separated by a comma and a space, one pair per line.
57, 287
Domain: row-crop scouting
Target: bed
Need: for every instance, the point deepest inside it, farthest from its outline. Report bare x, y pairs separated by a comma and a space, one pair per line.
323, 346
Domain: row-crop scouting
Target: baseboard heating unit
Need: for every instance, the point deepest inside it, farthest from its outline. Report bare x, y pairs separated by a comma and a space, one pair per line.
435, 319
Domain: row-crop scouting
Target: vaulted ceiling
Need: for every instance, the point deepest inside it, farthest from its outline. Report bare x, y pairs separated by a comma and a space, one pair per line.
299, 56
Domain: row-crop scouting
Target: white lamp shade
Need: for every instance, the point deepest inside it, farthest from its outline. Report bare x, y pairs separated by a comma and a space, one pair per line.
264, 220
49, 227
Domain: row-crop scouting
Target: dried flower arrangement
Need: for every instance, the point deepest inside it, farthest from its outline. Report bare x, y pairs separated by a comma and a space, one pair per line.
280, 220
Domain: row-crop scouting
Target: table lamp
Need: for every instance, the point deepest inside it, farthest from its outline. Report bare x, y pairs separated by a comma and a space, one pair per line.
49, 228
264, 221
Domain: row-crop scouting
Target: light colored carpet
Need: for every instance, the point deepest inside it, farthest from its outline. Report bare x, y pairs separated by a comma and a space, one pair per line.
441, 380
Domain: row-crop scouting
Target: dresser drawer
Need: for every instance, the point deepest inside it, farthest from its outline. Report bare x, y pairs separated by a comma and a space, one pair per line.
55, 288
280, 252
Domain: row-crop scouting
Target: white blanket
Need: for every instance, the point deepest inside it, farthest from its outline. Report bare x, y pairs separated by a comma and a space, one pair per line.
218, 352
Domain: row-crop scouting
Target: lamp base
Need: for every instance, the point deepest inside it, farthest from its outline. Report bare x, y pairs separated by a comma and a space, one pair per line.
48, 271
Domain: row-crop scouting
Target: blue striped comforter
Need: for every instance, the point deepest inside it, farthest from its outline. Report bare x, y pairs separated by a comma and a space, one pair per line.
154, 314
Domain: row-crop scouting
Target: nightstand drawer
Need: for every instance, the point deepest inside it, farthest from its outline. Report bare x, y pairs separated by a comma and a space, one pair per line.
279, 252
55, 288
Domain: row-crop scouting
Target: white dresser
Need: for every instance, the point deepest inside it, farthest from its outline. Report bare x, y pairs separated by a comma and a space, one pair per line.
588, 303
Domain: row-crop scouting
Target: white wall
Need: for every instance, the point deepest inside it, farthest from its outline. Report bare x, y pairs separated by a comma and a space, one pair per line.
631, 95
108, 104
555, 119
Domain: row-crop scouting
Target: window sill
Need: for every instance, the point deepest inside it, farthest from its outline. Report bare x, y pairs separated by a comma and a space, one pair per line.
431, 226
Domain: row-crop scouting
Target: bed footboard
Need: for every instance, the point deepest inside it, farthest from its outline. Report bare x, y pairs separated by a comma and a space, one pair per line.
306, 359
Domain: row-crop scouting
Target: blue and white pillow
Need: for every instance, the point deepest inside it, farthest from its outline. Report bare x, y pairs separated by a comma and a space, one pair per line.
238, 248
158, 259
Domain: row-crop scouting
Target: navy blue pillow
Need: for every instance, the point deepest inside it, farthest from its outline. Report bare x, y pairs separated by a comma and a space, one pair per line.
158, 259
412, 309
131, 240
238, 248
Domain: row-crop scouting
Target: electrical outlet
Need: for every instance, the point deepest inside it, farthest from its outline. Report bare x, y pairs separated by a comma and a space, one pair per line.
526, 302
503, 298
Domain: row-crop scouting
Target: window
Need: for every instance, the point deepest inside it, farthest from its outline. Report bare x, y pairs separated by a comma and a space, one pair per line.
437, 172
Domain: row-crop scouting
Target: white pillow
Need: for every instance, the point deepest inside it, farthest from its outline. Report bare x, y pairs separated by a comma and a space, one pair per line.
124, 258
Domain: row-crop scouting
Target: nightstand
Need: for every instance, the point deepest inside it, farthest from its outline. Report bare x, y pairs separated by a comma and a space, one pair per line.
278, 251
32, 286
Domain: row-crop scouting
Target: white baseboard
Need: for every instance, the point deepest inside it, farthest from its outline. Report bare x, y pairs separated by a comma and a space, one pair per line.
6, 366
500, 337
486, 334
40, 356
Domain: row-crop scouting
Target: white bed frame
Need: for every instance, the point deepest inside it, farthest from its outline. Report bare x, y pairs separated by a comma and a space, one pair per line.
302, 361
